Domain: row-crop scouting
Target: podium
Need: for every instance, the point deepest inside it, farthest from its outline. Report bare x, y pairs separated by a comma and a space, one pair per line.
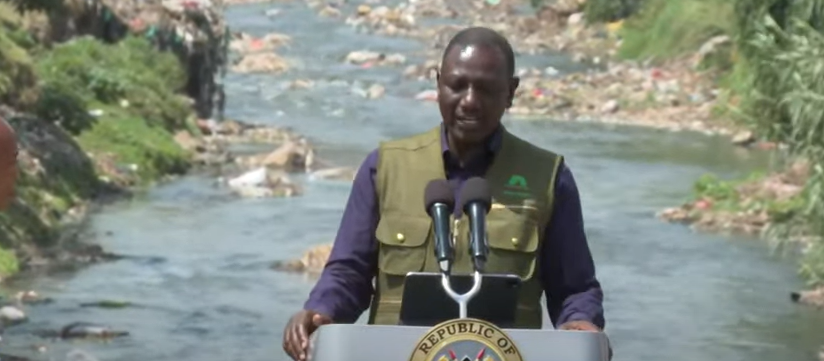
459, 339
339, 342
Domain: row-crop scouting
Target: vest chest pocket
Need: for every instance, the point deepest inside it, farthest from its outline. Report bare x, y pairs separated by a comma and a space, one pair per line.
514, 243
402, 244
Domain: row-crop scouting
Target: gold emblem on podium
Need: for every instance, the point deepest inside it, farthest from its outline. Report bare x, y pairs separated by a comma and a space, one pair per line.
466, 339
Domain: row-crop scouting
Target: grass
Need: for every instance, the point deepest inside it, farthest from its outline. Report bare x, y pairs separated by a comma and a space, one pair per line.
665, 29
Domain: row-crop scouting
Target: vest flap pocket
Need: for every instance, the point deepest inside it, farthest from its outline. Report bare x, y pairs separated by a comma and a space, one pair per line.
512, 235
513, 247
402, 243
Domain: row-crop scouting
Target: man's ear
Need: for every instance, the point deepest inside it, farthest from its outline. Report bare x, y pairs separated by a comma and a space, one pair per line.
513, 86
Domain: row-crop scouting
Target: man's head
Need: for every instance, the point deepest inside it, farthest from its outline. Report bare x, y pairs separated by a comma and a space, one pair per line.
8, 163
476, 84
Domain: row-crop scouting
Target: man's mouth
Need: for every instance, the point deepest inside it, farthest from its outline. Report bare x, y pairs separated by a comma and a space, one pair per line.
466, 122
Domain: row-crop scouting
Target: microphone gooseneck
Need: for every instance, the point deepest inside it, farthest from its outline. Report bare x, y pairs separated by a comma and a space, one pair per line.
439, 201
476, 200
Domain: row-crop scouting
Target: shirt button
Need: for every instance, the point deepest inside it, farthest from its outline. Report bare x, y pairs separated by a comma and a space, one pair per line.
400, 237
514, 241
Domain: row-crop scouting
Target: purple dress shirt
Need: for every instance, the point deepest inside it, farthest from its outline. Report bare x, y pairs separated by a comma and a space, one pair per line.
567, 273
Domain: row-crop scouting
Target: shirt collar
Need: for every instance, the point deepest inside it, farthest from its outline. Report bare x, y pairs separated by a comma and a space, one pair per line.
493, 144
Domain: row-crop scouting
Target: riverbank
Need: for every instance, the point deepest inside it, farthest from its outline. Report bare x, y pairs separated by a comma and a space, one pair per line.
94, 120
755, 91
195, 274
732, 48
674, 66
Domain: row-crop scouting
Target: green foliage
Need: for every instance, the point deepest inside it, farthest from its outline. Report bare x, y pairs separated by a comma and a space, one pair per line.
37, 5
135, 141
86, 70
597, 11
664, 29
710, 186
783, 46
132, 91
8, 263
17, 79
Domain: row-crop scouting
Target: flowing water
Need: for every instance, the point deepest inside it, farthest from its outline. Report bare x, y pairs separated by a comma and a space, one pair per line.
199, 276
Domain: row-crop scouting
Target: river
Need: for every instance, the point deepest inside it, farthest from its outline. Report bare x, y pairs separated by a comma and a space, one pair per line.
198, 272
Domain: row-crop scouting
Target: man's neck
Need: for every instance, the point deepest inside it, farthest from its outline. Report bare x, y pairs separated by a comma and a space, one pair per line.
465, 152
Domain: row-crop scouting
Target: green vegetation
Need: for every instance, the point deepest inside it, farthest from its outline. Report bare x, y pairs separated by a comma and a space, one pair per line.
610, 10
133, 86
772, 79
668, 29
97, 112
742, 195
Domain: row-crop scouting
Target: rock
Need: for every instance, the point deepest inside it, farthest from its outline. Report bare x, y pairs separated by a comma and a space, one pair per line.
610, 107
254, 178
312, 262
743, 138
677, 214
244, 43
291, 156
330, 12
187, 141
85, 330
371, 57
11, 315
261, 63
339, 173
262, 183
375, 91
575, 19
364, 9
301, 84
813, 298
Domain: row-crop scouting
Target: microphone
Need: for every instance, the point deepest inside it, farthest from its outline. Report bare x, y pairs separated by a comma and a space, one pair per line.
440, 202
476, 201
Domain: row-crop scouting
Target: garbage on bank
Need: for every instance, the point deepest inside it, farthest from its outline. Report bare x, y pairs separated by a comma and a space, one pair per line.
194, 30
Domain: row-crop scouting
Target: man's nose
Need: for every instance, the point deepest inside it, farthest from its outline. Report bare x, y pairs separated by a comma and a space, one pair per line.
470, 99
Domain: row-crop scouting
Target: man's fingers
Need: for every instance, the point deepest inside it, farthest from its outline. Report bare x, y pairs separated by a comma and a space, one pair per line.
288, 342
302, 341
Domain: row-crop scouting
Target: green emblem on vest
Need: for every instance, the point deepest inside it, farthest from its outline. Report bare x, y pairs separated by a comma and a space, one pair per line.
517, 181
517, 187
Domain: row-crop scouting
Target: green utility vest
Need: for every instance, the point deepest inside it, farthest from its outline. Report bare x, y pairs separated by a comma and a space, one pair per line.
521, 179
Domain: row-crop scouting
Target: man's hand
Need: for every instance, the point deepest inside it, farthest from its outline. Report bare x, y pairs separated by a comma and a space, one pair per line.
583, 326
580, 326
296, 334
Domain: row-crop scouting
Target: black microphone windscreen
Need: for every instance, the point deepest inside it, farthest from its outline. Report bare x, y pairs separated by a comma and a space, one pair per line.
438, 191
476, 190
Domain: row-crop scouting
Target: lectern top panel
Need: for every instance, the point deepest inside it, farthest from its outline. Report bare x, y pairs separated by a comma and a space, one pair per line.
466, 340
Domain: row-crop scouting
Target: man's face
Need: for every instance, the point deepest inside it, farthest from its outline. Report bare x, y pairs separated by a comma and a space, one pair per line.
8, 165
474, 90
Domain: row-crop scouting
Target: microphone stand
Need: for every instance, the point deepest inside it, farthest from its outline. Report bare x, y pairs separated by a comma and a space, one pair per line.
462, 299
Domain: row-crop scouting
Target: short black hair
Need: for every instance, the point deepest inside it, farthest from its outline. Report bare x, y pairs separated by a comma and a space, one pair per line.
483, 36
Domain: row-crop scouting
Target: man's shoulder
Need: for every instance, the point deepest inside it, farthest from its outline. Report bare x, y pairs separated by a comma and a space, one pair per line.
371, 160
411, 142
534, 149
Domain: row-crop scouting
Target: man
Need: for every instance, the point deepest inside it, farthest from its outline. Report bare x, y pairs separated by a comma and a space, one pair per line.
8, 164
385, 231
